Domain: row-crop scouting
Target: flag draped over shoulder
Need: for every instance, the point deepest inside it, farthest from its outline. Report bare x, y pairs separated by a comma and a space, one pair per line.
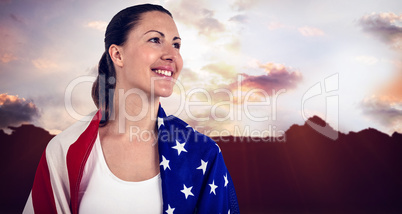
194, 176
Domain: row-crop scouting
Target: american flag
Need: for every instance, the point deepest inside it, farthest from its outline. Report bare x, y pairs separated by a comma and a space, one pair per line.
194, 176
193, 173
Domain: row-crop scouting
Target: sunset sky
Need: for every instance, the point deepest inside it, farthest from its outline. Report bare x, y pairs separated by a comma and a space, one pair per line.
279, 52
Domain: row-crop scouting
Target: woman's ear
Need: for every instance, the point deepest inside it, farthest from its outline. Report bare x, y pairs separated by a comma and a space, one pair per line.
116, 55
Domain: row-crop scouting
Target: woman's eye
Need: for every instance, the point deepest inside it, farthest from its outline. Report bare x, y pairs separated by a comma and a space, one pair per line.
177, 45
155, 40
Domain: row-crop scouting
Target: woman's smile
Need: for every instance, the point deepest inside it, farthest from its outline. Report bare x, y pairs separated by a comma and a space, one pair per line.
164, 71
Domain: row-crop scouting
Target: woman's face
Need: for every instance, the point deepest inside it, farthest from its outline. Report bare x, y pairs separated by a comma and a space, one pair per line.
150, 57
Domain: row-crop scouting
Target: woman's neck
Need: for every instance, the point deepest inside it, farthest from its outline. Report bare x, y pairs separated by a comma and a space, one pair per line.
133, 113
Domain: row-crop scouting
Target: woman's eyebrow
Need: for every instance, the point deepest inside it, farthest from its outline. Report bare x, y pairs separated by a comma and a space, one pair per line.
162, 34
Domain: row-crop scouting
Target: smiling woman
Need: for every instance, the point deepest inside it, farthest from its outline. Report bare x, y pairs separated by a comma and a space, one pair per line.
102, 166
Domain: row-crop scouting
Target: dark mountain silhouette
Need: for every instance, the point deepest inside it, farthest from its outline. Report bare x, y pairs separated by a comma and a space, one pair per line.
310, 173
302, 172
19, 156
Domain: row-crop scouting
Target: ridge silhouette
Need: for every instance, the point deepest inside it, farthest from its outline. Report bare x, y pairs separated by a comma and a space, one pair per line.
307, 173
310, 173
20, 153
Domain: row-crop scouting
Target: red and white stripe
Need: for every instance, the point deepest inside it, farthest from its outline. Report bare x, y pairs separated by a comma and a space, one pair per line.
60, 170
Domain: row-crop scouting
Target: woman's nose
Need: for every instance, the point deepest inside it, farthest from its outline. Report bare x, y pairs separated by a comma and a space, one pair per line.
169, 53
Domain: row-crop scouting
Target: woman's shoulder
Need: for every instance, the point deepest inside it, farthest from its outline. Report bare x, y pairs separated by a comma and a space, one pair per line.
62, 141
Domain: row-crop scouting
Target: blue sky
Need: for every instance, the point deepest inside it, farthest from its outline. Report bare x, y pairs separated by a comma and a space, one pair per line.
285, 46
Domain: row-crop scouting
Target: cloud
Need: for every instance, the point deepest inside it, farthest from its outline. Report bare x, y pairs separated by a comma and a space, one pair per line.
239, 18
310, 31
277, 77
209, 77
188, 79
7, 57
195, 14
15, 110
385, 110
241, 5
224, 77
384, 26
393, 88
304, 31
44, 64
208, 24
97, 25
221, 69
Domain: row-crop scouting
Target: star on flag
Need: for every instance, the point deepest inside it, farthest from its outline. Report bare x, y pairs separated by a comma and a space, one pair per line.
187, 191
213, 187
226, 179
160, 122
179, 147
203, 166
164, 163
170, 210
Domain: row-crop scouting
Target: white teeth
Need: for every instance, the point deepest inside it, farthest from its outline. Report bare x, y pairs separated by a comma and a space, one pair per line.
163, 72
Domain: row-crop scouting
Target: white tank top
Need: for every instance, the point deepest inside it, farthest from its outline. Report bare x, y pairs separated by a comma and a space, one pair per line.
102, 192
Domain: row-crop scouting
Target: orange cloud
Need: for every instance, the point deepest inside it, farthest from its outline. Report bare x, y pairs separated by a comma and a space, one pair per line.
222, 69
387, 110
15, 110
384, 26
393, 89
44, 64
277, 77
6, 58
225, 78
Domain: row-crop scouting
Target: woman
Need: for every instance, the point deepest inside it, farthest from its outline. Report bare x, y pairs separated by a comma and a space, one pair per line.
165, 166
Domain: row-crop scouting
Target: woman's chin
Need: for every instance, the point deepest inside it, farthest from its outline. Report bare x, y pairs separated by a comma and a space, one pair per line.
163, 92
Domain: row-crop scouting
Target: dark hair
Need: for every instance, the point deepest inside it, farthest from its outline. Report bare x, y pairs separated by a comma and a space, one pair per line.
116, 33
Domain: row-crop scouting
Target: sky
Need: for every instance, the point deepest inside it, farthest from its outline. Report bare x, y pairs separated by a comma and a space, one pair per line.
251, 67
